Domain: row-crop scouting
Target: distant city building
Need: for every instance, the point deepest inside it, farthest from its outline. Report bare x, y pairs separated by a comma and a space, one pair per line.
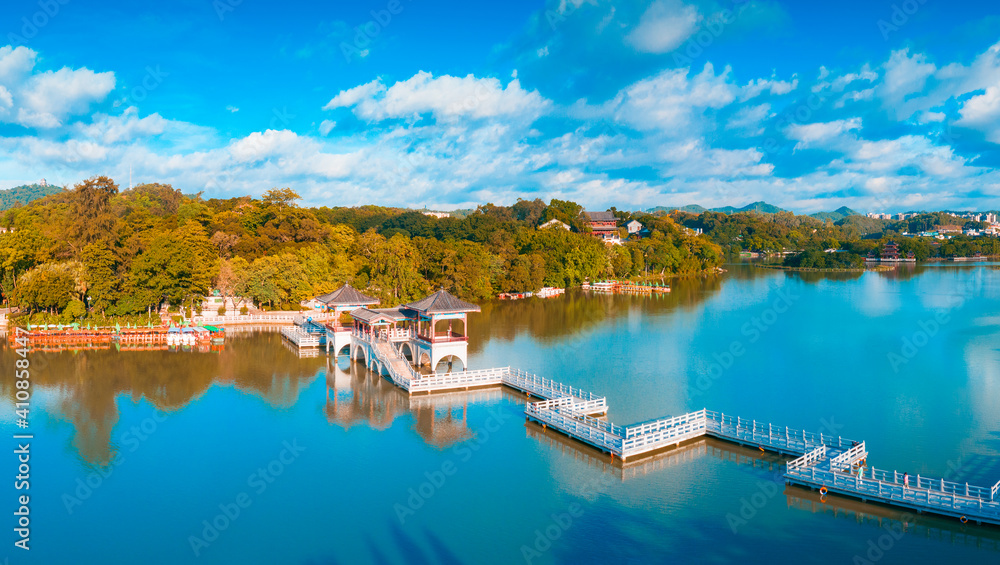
633, 227
44, 183
437, 214
949, 229
603, 225
553, 223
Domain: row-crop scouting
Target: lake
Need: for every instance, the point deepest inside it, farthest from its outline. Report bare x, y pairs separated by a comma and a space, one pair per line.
255, 455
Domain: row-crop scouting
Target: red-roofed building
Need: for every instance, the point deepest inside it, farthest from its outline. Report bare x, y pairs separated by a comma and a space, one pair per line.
603, 225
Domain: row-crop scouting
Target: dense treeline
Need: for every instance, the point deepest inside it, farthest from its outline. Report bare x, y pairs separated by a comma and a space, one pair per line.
859, 235
128, 252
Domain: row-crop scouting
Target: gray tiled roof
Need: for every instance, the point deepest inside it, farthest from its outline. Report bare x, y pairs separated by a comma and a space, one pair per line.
371, 316
601, 216
440, 302
347, 295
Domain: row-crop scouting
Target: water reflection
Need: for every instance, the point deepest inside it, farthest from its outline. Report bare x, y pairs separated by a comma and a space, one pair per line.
885, 517
88, 382
355, 395
684, 453
547, 320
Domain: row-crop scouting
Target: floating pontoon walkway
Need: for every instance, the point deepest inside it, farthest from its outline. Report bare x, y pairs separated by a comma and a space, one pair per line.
827, 463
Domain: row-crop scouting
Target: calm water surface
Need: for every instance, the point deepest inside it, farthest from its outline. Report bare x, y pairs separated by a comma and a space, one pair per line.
137, 454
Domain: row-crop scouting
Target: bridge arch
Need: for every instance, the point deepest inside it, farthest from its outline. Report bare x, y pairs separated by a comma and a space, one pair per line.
449, 364
360, 354
424, 357
406, 351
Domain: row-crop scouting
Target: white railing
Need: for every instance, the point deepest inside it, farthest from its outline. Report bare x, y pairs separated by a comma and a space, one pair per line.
248, 319
663, 423
894, 492
598, 405
455, 380
811, 457
846, 460
677, 430
575, 426
995, 491
396, 334
764, 433
546, 388
300, 337
929, 483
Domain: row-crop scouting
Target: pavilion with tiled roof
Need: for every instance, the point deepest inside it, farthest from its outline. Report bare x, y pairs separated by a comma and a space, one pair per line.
441, 317
346, 298
442, 302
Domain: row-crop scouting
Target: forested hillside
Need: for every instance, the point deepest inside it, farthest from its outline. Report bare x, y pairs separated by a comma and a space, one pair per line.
21, 195
130, 251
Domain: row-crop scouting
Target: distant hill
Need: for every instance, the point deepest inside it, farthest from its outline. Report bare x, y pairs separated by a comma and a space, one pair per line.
760, 207
690, 208
21, 195
836, 215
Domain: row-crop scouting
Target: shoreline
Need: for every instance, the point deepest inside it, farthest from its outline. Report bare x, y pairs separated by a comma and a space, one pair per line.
880, 268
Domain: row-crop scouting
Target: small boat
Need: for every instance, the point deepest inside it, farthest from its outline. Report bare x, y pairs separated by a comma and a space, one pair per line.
549, 292
217, 335
603, 286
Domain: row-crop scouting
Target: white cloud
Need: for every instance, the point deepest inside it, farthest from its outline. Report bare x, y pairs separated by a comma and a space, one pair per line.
125, 127
982, 112
821, 134
671, 101
45, 99
904, 76
262, 145
352, 96
692, 159
664, 26
749, 119
6, 100
482, 146
49, 97
232, 109
15, 64
446, 98
777, 87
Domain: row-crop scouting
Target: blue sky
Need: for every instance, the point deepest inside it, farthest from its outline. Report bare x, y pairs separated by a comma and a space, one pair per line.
875, 105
